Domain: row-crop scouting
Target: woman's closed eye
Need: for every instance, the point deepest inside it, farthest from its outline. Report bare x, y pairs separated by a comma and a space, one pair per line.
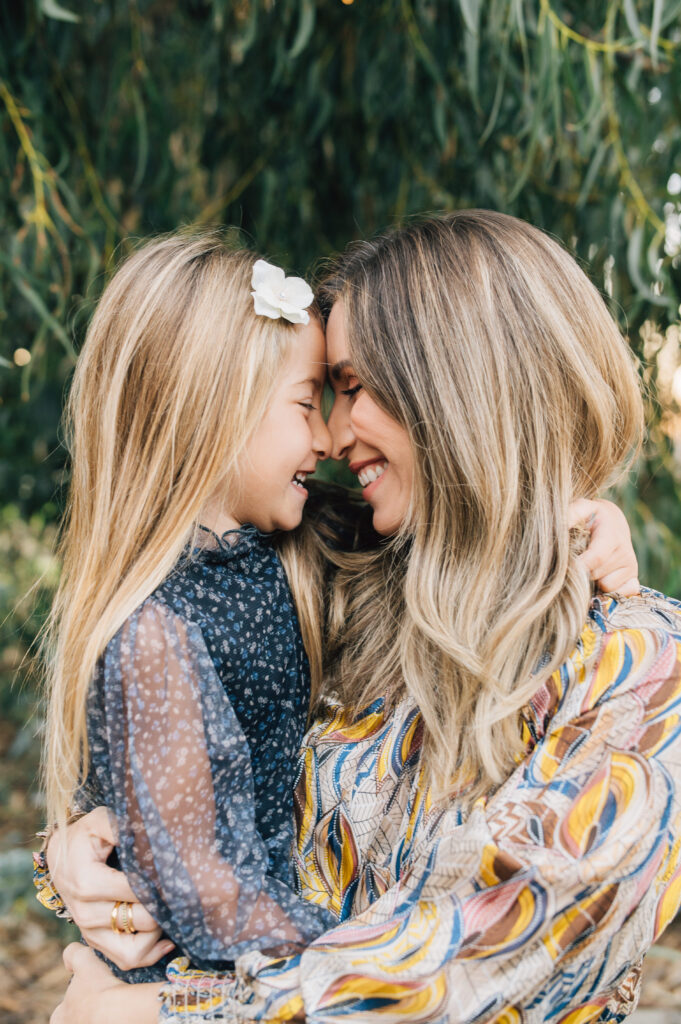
351, 392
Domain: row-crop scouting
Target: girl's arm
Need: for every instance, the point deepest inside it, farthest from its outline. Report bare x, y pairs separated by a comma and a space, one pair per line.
170, 759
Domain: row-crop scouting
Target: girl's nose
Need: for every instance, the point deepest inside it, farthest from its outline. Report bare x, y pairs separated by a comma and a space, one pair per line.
321, 438
342, 434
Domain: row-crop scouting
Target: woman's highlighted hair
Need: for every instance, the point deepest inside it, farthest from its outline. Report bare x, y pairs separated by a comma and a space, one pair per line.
484, 339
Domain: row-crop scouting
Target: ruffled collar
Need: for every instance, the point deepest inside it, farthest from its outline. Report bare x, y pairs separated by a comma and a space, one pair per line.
235, 543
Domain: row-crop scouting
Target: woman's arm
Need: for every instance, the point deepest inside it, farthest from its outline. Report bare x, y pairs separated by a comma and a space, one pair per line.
89, 887
95, 996
551, 891
540, 905
76, 859
610, 557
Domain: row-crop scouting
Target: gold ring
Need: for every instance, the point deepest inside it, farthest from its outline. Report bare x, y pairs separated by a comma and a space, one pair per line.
121, 919
129, 926
114, 918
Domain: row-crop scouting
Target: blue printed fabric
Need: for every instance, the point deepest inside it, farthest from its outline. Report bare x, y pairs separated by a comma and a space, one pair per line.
195, 718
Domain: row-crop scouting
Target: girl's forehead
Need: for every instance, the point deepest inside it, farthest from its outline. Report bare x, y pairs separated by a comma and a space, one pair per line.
306, 358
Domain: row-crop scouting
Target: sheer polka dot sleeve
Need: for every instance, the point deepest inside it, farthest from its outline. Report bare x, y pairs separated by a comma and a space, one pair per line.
173, 764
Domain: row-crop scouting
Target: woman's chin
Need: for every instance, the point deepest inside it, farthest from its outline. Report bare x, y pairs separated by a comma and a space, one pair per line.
386, 523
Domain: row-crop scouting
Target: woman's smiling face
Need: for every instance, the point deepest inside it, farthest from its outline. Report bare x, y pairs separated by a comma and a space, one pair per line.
376, 446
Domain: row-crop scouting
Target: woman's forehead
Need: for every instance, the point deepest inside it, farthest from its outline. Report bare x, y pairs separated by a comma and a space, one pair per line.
337, 350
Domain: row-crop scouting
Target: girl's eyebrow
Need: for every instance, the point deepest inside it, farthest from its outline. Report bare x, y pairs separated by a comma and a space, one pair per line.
336, 370
315, 382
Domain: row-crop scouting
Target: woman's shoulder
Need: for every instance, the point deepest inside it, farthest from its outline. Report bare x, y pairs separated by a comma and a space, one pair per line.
629, 649
648, 610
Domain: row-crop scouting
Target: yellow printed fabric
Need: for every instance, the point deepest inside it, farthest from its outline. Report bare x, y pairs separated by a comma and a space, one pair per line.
538, 905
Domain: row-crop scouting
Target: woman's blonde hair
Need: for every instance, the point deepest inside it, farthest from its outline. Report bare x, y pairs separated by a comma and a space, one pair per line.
175, 374
483, 338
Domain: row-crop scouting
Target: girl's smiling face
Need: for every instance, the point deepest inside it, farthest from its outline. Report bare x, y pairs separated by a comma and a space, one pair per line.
376, 446
285, 448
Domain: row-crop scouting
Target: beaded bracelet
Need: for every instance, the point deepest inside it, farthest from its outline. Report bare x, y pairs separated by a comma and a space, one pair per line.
45, 890
191, 995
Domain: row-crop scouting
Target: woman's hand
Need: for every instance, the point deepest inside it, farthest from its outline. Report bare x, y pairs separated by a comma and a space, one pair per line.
95, 996
76, 859
610, 557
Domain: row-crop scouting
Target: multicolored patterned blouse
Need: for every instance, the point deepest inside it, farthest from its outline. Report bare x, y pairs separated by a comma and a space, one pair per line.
536, 906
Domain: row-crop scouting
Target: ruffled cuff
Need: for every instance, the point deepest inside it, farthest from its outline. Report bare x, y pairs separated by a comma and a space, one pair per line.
191, 996
45, 890
262, 988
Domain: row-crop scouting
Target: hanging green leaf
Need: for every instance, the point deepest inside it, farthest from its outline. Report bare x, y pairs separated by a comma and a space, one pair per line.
306, 22
658, 8
52, 9
632, 20
470, 10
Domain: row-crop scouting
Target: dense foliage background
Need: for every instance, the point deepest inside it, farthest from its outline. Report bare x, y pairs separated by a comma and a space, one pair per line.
304, 124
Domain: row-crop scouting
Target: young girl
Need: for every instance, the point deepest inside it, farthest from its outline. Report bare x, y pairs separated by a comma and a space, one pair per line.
179, 683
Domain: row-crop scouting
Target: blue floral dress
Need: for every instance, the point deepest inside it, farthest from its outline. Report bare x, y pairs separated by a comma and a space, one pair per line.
195, 718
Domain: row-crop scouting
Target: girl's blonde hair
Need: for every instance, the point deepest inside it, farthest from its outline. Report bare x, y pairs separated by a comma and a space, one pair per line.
175, 374
483, 338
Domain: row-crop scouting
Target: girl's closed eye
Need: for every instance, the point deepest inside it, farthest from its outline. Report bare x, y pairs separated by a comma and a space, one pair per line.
351, 392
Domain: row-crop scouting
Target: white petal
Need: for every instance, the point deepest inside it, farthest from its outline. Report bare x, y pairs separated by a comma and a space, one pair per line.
286, 306
267, 273
269, 294
296, 316
297, 292
264, 308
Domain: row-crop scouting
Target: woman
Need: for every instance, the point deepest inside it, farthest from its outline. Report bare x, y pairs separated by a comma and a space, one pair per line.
494, 812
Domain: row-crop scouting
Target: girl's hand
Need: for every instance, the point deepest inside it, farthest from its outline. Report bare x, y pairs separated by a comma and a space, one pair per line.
610, 557
76, 859
95, 996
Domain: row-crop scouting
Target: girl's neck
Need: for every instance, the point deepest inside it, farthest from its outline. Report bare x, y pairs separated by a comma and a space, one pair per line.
215, 517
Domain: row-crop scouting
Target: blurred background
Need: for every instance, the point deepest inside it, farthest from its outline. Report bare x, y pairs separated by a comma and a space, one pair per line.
300, 125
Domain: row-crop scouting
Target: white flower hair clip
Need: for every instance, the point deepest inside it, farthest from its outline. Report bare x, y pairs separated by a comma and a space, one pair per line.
275, 295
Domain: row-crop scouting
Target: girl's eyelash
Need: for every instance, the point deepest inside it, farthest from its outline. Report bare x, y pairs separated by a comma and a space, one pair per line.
307, 405
351, 392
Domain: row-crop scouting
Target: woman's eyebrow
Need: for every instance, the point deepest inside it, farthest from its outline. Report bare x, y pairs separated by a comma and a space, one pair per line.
336, 371
315, 382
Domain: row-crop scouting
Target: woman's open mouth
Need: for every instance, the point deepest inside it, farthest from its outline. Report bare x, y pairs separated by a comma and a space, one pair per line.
370, 473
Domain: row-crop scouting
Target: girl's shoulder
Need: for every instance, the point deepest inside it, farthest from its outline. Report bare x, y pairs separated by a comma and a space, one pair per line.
154, 623
218, 572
